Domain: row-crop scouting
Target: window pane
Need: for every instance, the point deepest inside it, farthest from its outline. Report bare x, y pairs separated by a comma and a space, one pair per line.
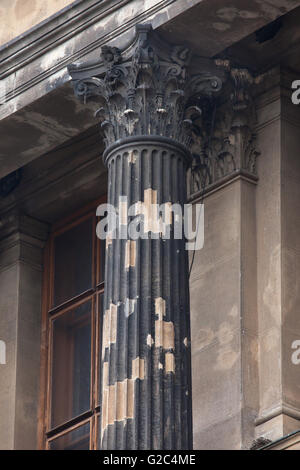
78, 439
73, 255
71, 364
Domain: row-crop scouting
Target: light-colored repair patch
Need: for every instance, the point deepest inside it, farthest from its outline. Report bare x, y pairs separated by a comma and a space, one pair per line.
254, 350
225, 333
149, 209
108, 240
186, 342
61, 74
109, 327
249, 15
53, 57
149, 340
125, 397
105, 372
132, 157
138, 368
168, 214
234, 312
117, 403
160, 366
118, 399
150, 196
123, 212
293, 282
130, 254
151, 221
129, 306
270, 341
272, 288
269, 10
160, 307
164, 334
227, 13
221, 26
164, 331
226, 359
201, 338
230, 14
169, 363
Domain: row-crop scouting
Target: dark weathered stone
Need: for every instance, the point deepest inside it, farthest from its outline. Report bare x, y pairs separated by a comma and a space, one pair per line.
146, 337
146, 91
148, 104
224, 140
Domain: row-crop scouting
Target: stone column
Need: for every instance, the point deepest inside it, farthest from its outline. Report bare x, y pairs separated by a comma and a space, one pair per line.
147, 116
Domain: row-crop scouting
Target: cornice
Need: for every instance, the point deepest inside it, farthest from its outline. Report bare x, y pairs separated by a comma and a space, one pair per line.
52, 31
59, 28
15, 222
222, 183
284, 408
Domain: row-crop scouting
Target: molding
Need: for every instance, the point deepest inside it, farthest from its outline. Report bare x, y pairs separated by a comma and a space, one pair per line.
51, 32
55, 174
285, 443
21, 248
145, 140
22, 240
59, 28
284, 409
223, 183
15, 222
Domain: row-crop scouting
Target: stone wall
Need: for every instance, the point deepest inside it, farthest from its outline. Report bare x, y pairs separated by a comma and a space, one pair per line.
245, 291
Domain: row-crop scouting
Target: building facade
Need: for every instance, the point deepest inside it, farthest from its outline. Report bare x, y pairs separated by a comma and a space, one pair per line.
137, 103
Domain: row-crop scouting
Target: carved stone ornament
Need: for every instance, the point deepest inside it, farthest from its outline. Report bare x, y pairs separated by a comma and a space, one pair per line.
145, 90
224, 141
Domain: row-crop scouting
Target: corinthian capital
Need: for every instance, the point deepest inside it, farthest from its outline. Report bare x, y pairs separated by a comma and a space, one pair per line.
145, 90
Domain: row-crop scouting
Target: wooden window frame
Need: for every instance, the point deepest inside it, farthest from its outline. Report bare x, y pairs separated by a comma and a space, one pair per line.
49, 312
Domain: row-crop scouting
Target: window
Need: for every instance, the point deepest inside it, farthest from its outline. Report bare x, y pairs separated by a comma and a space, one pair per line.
72, 308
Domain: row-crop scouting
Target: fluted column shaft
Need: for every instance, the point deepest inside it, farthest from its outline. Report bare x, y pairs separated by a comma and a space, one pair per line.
146, 402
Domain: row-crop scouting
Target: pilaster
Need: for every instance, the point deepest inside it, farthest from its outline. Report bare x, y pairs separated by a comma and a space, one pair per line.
21, 262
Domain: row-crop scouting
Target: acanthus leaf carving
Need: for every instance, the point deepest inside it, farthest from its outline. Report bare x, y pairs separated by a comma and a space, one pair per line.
225, 142
146, 92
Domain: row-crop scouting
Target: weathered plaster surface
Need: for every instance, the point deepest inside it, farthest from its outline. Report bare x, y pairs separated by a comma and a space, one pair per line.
20, 317
21, 15
224, 321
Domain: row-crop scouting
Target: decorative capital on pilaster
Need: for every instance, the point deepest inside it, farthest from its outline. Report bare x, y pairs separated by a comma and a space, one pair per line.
225, 142
146, 90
